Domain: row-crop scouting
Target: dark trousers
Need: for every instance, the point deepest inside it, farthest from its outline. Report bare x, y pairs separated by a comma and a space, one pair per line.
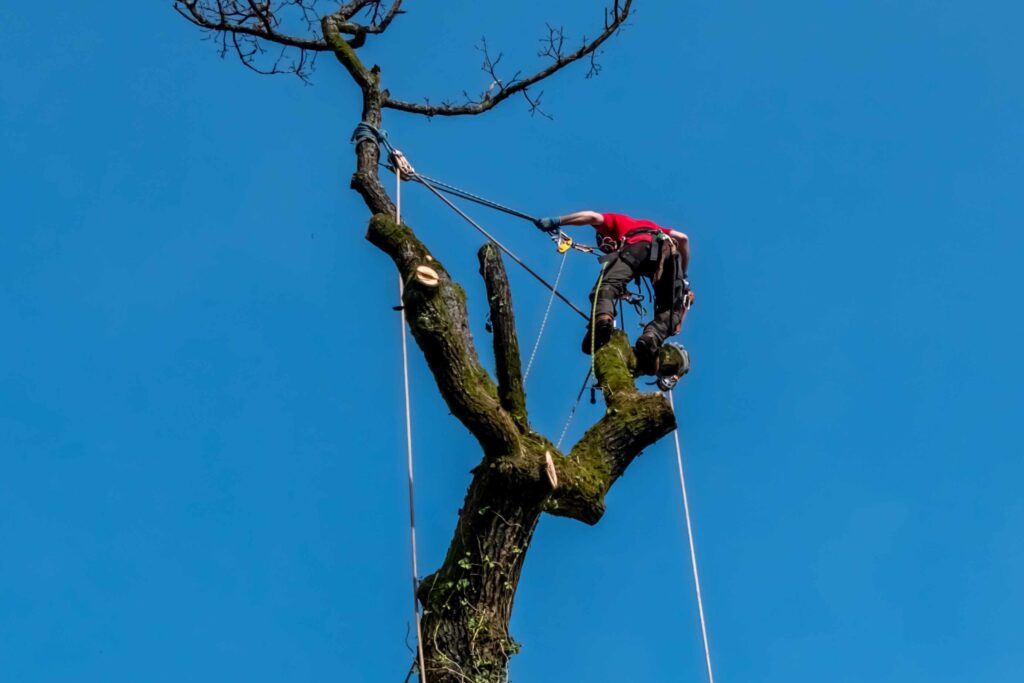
625, 265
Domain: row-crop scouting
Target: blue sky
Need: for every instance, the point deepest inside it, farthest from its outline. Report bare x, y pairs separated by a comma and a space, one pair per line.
200, 391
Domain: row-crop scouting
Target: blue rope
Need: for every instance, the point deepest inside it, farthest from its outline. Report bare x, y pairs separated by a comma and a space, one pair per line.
367, 131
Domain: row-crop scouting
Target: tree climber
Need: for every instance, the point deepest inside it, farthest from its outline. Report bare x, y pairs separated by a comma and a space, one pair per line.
634, 248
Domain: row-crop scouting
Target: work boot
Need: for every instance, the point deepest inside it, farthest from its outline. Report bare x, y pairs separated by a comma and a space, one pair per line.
646, 349
603, 333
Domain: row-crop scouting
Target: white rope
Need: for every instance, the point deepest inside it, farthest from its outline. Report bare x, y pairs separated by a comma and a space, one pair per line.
544, 321
408, 444
572, 412
693, 550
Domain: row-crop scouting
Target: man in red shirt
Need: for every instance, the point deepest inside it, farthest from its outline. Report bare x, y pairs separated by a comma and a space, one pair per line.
635, 248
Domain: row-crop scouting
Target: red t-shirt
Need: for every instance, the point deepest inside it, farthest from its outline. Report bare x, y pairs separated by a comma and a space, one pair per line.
617, 226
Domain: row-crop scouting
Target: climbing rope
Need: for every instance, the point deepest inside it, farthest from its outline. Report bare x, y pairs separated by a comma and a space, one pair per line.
482, 201
544, 320
593, 318
505, 249
572, 412
563, 241
408, 447
369, 133
693, 550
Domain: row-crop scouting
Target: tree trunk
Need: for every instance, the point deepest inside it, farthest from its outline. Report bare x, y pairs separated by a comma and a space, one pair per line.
467, 602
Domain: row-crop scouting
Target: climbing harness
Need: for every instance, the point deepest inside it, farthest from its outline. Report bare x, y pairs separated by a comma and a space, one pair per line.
693, 550
408, 447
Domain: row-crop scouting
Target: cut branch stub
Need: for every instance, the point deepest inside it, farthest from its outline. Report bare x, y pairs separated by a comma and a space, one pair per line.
427, 276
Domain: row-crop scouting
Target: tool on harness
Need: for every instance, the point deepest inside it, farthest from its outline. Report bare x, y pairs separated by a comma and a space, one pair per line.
608, 244
689, 299
636, 300
673, 364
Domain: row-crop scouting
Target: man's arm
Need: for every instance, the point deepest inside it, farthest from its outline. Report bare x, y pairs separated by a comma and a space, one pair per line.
683, 243
577, 218
582, 218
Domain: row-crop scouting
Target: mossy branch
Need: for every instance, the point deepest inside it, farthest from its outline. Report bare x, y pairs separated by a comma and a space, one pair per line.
439, 322
507, 362
632, 422
332, 25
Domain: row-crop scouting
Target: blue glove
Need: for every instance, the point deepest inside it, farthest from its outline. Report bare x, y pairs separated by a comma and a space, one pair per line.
548, 225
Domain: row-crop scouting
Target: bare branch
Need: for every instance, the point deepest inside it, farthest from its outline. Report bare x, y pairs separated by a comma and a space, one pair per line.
245, 27
534, 104
554, 43
381, 20
615, 18
250, 19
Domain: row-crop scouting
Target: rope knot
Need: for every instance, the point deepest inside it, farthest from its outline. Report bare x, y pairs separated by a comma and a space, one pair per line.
367, 131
